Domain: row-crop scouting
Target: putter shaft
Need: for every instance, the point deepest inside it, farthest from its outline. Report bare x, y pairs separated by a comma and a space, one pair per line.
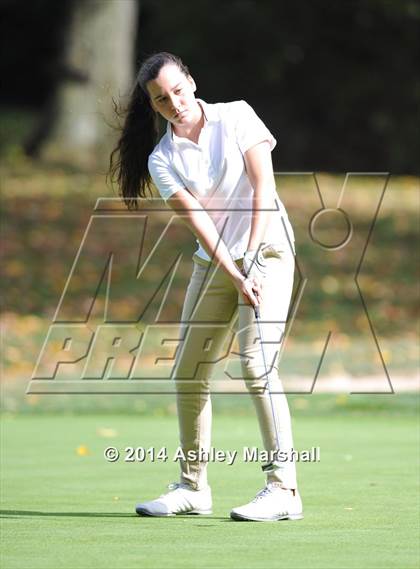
268, 386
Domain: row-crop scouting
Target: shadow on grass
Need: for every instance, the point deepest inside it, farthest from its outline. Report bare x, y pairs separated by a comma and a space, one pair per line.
36, 513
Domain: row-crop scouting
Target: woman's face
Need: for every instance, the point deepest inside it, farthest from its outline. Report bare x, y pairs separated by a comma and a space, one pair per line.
172, 96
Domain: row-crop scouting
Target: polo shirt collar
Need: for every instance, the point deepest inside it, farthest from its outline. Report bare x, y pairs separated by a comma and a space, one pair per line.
210, 114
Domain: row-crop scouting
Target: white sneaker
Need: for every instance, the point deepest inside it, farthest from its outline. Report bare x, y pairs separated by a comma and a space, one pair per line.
181, 499
271, 504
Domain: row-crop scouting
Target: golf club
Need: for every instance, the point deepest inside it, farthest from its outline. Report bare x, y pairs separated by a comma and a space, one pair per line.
271, 466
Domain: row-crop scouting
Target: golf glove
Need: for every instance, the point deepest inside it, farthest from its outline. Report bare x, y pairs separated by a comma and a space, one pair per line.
254, 264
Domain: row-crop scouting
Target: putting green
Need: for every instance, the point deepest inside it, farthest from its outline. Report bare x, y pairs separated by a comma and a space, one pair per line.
65, 506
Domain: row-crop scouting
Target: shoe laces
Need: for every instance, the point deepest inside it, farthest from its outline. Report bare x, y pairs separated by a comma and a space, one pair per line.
269, 489
175, 486
262, 493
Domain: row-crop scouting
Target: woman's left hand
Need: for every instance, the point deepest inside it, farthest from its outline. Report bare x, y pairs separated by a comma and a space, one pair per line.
253, 264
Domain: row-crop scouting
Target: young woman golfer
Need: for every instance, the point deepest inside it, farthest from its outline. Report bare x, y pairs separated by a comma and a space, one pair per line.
214, 167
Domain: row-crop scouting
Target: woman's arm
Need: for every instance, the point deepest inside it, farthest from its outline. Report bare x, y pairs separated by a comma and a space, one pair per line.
259, 168
200, 223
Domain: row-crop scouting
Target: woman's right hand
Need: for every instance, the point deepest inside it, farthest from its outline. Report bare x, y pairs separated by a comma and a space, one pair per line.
250, 288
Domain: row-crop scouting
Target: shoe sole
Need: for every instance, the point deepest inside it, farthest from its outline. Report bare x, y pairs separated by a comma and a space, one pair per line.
143, 512
241, 518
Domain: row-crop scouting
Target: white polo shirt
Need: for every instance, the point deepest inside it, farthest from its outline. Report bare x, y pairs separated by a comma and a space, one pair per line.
214, 172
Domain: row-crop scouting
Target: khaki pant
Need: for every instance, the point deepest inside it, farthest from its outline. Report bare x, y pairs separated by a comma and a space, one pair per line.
211, 304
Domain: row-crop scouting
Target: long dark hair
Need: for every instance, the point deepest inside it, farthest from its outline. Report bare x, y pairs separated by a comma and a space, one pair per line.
139, 134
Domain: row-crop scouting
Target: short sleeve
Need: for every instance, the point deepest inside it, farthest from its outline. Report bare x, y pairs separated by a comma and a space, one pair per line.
250, 129
164, 177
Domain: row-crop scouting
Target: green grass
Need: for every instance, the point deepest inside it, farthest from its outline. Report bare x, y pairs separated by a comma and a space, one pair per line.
63, 509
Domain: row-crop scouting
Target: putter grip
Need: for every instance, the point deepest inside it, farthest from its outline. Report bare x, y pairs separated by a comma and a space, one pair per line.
257, 311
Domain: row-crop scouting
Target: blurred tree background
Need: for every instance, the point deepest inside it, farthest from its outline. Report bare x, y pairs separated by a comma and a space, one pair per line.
337, 84
325, 76
336, 81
